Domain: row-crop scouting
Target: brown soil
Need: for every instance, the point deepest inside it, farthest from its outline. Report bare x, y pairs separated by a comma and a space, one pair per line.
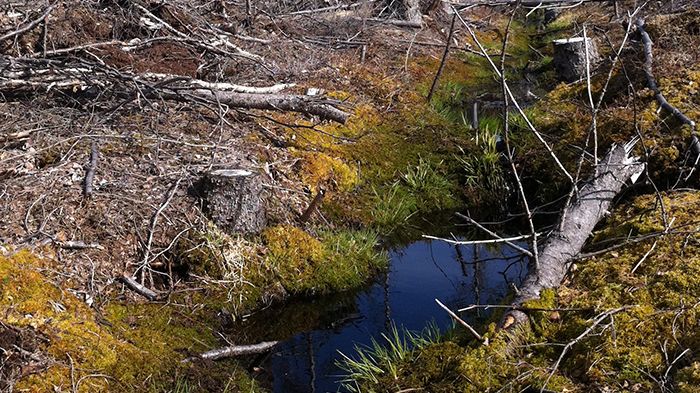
19, 354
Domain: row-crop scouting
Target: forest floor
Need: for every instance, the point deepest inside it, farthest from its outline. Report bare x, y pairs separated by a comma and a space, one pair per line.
68, 323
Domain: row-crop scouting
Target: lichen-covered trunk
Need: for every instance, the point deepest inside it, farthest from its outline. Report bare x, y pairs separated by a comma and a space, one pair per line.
575, 225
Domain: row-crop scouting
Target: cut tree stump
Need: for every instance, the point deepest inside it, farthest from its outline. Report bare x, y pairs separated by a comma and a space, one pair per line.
234, 201
570, 57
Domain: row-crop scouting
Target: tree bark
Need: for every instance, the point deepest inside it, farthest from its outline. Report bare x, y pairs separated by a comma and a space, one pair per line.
33, 77
575, 225
570, 57
233, 200
413, 11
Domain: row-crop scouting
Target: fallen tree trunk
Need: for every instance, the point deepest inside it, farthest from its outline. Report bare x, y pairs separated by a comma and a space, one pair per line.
20, 76
575, 225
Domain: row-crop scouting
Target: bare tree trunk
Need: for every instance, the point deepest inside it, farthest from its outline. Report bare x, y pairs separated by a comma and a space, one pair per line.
575, 226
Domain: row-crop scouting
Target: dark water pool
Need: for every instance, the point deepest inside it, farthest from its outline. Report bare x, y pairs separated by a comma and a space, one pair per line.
425, 270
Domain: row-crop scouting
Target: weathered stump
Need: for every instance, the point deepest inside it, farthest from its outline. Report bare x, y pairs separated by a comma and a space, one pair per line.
233, 200
550, 15
570, 57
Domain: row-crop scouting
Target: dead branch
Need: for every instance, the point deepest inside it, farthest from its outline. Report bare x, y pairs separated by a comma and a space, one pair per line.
444, 58
29, 25
598, 320
233, 351
471, 330
78, 245
134, 285
653, 85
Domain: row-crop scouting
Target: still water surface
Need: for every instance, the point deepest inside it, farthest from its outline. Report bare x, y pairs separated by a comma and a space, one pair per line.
425, 270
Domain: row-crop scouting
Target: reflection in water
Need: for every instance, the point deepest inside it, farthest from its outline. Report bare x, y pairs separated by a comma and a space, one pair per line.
458, 276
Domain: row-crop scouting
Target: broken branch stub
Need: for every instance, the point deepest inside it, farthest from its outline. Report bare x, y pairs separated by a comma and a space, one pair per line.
570, 57
234, 200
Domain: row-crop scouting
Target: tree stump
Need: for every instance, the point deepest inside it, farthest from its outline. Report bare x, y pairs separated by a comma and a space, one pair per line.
570, 57
550, 15
233, 200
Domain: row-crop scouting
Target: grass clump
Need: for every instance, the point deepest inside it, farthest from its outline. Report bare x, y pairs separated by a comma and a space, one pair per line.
386, 359
336, 261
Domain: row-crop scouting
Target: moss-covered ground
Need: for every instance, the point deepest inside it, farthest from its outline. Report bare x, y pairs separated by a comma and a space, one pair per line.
648, 281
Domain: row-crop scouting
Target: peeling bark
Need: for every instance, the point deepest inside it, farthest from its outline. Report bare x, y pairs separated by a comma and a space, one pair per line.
575, 226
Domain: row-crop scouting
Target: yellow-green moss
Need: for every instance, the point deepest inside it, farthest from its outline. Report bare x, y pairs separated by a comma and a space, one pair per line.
339, 261
123, 348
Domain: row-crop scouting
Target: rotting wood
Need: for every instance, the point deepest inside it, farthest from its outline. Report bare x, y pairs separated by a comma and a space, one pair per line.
578, 219
233, 351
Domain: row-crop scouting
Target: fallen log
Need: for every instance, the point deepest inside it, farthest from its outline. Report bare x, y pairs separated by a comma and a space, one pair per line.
279, 102
576, 224
20, 76
233, 351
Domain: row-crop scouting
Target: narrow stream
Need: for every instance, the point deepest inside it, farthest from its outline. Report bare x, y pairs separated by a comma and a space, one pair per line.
419, 273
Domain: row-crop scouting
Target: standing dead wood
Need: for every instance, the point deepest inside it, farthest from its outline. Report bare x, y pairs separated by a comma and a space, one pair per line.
444, 58
413, 11
313, 206
236, 350
90, 170
593, 201
234, 200
572, 57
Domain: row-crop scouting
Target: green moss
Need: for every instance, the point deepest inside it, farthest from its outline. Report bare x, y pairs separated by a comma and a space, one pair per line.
337, 261
124, 347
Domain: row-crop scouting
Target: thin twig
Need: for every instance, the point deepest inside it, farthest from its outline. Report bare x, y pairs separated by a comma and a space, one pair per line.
466, 325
